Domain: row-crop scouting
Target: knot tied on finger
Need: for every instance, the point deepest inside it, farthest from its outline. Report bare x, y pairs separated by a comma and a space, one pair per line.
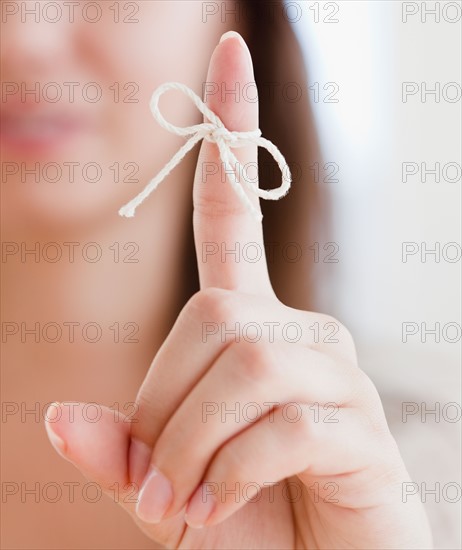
226, 140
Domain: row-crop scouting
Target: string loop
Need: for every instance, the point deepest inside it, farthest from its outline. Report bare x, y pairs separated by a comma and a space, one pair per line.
215, 132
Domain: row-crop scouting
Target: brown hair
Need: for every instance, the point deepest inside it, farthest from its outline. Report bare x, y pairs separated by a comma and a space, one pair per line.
278, 60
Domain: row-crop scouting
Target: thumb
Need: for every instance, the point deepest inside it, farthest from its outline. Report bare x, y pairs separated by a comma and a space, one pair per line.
96, 440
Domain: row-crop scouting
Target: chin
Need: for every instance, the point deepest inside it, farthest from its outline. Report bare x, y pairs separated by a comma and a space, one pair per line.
64, 207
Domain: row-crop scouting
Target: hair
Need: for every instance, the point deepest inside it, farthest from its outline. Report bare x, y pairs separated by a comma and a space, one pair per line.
287, 223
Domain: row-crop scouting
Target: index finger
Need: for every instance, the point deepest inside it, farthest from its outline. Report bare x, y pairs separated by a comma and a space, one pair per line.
229, 238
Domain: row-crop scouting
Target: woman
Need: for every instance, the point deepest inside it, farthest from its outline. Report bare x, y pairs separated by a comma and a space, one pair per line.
188, 458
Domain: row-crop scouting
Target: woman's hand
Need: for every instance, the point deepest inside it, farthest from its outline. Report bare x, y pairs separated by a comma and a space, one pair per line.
250, 432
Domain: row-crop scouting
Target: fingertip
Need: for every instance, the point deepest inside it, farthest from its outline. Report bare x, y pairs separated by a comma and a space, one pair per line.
92, 437
231, 90
200, 508
52, 416
232, 36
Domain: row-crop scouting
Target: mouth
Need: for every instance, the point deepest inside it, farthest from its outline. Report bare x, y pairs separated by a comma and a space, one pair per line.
39, 131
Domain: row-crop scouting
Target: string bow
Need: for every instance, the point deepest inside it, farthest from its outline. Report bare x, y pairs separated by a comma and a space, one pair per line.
215, 132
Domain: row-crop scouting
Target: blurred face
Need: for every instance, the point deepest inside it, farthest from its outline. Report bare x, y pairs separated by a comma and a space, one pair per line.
78, 139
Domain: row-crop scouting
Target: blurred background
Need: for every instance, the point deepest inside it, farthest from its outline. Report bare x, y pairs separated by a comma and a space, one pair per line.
396, 149
385, 90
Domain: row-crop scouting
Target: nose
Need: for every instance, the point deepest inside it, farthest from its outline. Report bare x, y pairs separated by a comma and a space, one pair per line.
35, 37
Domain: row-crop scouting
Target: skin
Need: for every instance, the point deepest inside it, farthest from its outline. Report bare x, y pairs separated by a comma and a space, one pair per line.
148, 293
357, 454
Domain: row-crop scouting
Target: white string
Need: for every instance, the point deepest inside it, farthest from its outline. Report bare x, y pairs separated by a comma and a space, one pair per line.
215, 132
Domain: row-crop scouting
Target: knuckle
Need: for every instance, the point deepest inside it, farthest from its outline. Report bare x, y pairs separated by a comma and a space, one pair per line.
256, 362
368, 387
325, 319
341, 332
364, 390
302, 428
230, 463
306, 431
145, 404
213, 304
211, 207
173, 442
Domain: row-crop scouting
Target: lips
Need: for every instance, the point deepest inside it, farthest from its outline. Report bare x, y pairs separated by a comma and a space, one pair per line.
40, 130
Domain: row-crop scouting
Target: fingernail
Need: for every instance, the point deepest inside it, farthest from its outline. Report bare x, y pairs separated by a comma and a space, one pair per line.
234, 34
51, 416
231, 34
200, 508
155, 497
